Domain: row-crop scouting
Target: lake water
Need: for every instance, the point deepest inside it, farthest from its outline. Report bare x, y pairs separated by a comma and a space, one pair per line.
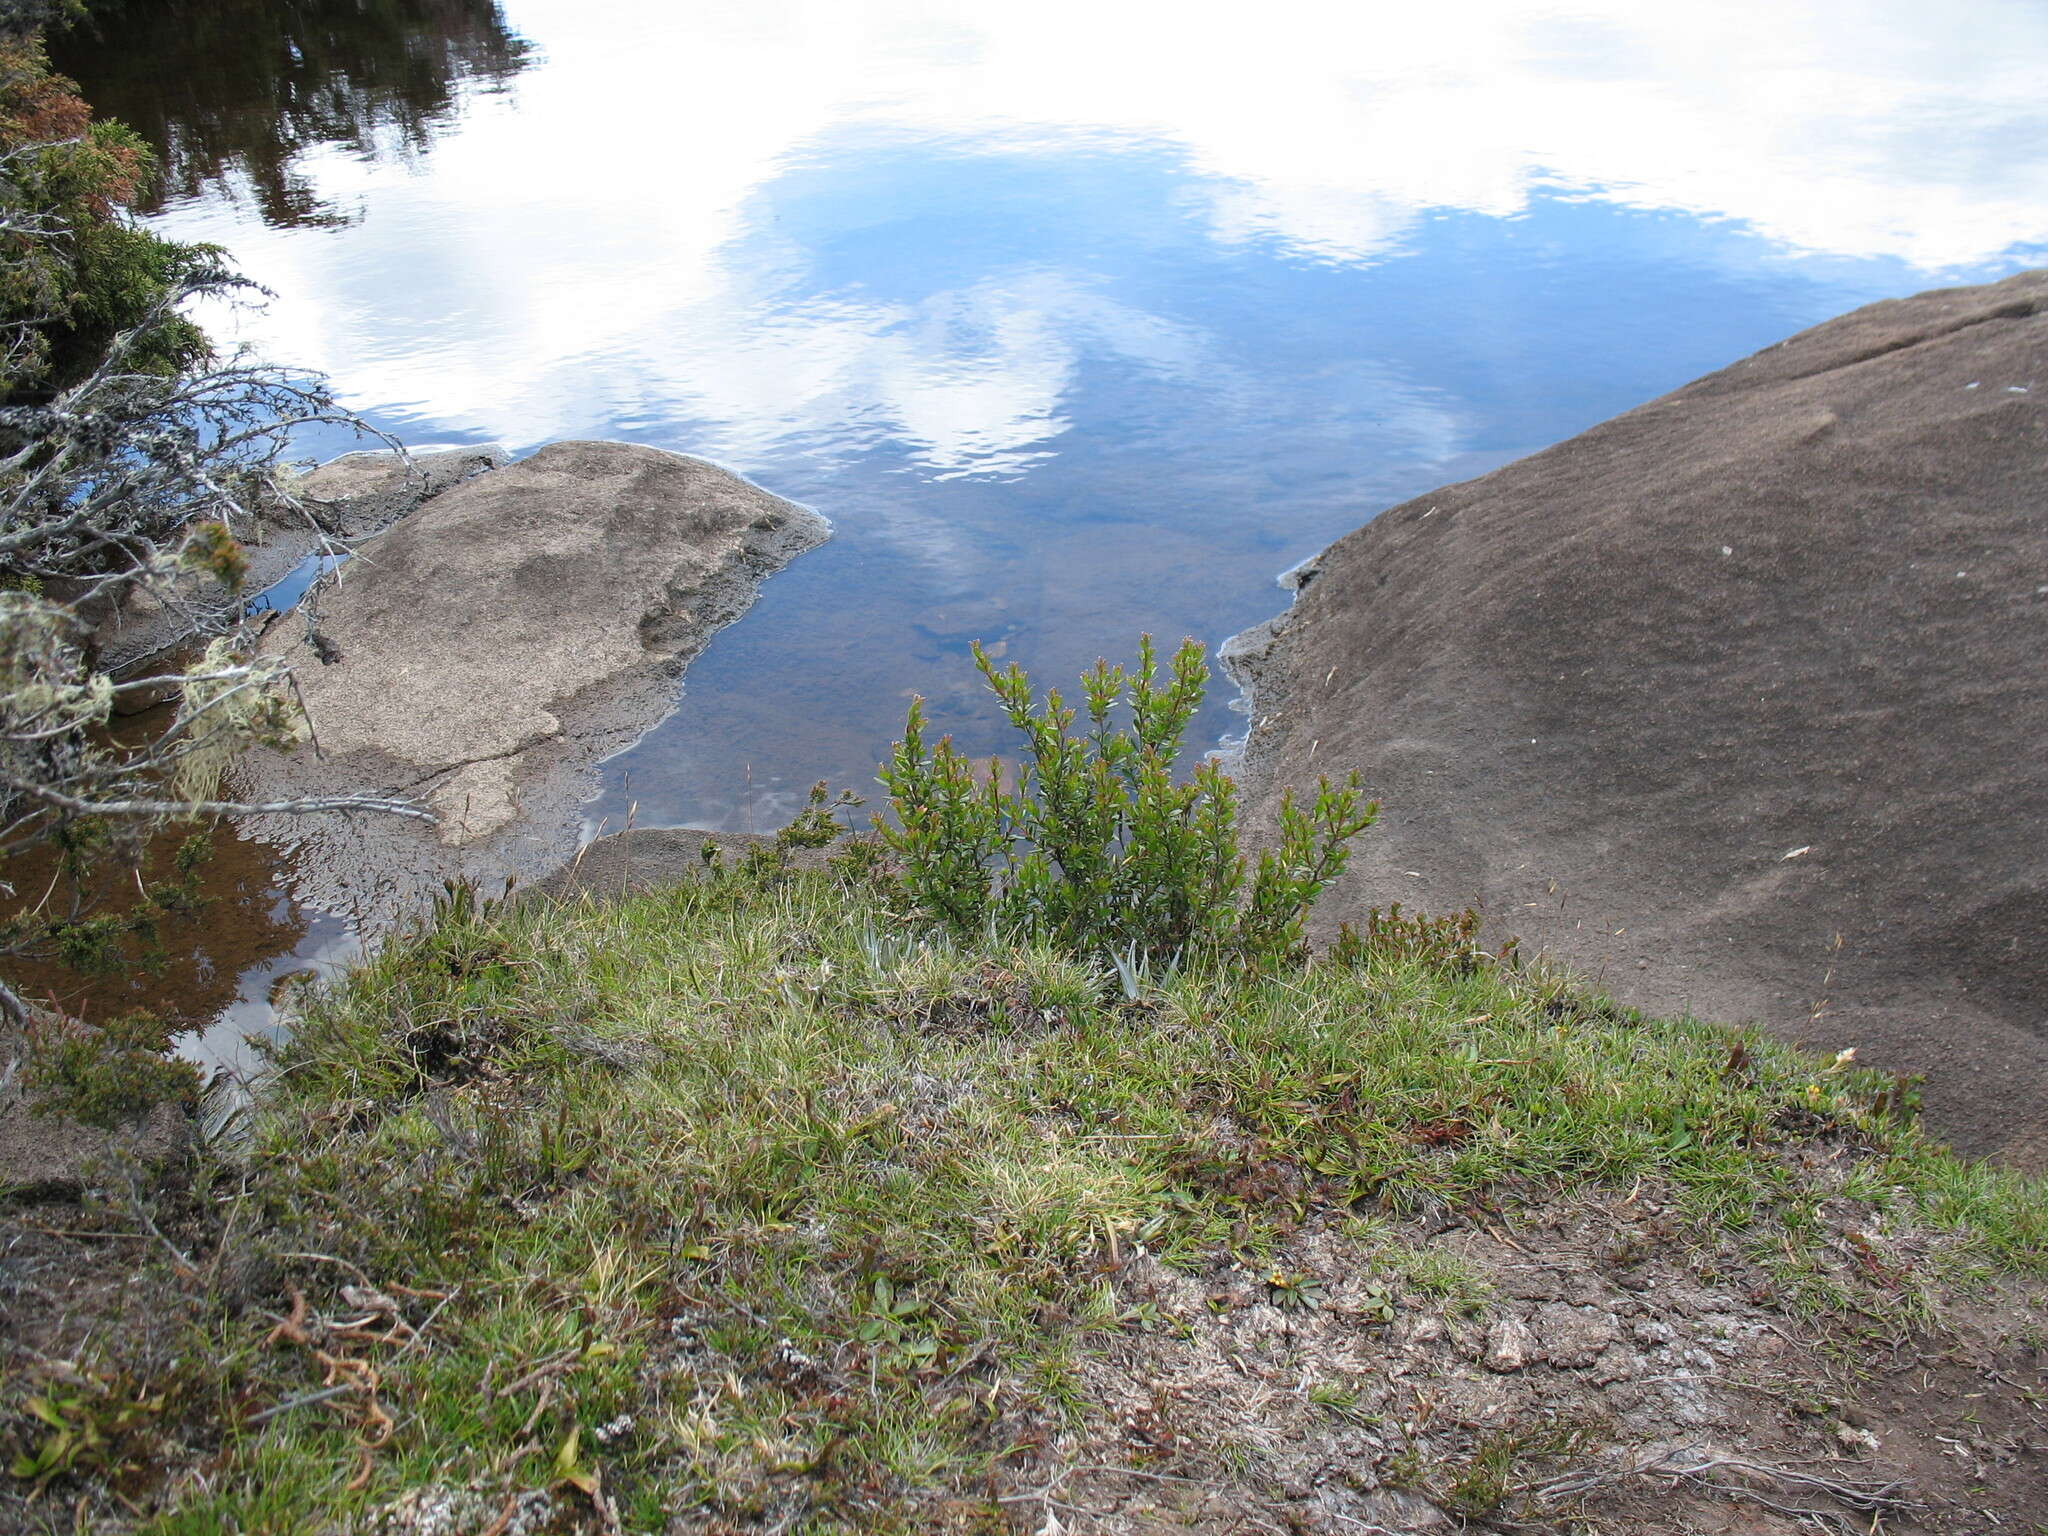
1077, 320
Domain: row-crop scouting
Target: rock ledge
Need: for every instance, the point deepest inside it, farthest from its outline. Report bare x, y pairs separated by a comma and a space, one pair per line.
491, 648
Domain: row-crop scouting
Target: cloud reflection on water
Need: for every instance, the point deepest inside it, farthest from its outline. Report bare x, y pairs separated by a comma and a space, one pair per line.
648, 223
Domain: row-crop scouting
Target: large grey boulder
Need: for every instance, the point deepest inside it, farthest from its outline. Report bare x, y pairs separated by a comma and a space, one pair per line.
1738, 701
491, 648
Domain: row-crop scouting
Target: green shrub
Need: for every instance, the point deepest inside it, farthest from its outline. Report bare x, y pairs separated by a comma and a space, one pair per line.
107, 1074
815, 826
1097, 849
75, 270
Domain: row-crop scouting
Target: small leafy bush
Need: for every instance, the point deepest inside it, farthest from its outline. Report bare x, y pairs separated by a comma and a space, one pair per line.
815, 826
107, 1074
1097, 849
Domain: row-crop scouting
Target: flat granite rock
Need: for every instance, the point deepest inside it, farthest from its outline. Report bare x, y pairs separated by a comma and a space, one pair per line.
342, 501
364, 493
1738, 702
491, 648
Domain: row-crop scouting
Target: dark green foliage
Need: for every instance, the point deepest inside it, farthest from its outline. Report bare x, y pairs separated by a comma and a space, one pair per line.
74, 271
1504, 1459
1097, 849
107, 1074
816, 825
456, 936
98, 934
24, 18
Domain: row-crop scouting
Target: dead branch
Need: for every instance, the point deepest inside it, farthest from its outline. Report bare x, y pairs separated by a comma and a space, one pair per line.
316, 805
1868, 1498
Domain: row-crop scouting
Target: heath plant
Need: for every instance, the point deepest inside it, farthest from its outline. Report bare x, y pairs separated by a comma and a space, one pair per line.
1098, 848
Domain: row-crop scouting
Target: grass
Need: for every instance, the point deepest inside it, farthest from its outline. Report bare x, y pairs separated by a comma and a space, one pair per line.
750, 1203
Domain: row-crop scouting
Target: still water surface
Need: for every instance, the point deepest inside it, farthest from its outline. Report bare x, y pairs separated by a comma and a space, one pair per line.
1077, 320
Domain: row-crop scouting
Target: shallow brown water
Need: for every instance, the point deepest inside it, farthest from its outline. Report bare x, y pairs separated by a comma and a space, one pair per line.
212, 969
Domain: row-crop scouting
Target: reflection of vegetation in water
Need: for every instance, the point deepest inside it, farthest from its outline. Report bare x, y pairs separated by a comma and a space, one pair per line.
183, 957
232, 92
171, 925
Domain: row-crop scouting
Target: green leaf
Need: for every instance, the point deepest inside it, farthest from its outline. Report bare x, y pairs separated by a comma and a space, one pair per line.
569, 1468
47, 1411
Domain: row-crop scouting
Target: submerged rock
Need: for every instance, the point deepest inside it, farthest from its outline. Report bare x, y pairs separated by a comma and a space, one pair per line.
1738, 701
495, 645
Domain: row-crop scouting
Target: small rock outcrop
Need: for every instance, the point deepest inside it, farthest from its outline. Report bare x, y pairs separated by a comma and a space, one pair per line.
496, 644
1738, 701
360, 494
344, 500
655, 858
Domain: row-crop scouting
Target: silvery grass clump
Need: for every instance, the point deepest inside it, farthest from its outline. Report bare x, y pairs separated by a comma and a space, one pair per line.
1097, 849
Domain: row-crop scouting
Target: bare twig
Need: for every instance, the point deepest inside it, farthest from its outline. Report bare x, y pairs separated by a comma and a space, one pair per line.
132, 479
305, 1400
552, 1365
227, 1235
186, 1268
153, 808
1869, 1498
540, 1406
420, 1332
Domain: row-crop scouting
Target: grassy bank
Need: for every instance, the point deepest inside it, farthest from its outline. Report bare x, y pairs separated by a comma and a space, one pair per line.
751, 1205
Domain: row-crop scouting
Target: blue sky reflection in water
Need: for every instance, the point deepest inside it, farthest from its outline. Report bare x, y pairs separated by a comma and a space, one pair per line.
1081, 320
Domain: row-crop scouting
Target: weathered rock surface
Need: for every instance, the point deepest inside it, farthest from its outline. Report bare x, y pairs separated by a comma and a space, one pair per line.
360, 494
493, 646
1713, 1375
1738, 701
343, 500
1510, 1345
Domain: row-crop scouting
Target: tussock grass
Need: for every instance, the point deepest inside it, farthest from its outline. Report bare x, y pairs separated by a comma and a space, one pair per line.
761, 1204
